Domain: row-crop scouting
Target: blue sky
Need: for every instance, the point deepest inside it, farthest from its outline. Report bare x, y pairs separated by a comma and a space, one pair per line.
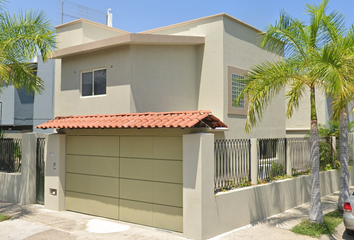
140, 15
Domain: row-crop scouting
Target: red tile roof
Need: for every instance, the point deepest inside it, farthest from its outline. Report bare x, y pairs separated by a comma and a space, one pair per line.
186, 119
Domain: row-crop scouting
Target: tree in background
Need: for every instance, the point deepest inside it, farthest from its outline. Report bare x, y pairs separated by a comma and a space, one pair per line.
23, 36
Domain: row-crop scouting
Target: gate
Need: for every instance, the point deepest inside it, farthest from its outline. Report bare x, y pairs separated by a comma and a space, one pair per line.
40, 171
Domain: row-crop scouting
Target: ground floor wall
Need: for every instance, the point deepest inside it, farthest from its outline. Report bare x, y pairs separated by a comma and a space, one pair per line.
21, 187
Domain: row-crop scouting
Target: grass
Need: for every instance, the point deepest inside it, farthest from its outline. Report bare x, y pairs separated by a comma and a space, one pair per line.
330, 222
4, 218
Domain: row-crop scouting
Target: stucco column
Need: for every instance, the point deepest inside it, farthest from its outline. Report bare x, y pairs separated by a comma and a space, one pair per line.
254, 161
54, 187
28, 169
198, 183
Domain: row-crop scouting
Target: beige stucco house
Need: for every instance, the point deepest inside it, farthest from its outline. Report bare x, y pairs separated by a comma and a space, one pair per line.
155, 175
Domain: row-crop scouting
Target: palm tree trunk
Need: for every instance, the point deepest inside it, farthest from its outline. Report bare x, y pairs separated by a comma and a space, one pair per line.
343, 150
316, 214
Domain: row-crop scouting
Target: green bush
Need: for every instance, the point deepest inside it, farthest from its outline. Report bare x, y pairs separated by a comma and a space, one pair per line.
276, 170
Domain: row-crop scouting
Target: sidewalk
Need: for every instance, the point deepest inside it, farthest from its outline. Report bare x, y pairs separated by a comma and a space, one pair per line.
33, 222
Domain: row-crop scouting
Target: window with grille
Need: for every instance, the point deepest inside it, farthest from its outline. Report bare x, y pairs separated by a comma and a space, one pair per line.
236, 83
237, 87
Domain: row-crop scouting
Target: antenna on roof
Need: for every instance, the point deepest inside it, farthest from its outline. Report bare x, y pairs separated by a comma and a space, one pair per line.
109, 18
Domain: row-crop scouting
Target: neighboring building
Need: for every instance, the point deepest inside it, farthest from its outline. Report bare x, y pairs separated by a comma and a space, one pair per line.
21, 111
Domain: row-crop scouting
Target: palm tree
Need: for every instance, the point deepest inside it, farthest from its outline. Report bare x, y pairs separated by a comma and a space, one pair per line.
337, 67
22, 37
300, 44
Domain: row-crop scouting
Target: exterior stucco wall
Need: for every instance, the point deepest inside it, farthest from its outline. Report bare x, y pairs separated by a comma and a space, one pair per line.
164, 78
241, 50
43, 106
211, 60
7, 98
140, 78
82, 31
299, 124
21, 187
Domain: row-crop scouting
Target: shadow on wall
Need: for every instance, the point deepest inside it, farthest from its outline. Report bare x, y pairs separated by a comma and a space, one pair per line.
10, 187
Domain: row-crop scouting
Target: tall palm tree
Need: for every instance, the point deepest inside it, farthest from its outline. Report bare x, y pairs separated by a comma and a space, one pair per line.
336, 63
22, 37
300, 43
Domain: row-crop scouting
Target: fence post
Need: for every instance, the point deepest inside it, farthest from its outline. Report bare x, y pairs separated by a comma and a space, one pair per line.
254, 161
287, 158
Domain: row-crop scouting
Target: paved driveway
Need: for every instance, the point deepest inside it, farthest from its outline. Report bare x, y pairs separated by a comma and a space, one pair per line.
33, 222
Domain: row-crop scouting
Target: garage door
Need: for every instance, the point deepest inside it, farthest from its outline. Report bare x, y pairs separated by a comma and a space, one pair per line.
133, 179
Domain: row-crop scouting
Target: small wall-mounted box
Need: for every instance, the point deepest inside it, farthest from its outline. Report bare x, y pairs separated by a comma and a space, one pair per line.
52, 191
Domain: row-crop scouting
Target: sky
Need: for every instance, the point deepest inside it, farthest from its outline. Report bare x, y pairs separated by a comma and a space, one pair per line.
140, 15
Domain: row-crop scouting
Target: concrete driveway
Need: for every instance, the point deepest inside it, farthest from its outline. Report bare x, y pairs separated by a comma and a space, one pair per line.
33, 222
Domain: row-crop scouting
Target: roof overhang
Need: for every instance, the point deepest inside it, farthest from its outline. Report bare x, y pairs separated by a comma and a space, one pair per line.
186, 119
126, 39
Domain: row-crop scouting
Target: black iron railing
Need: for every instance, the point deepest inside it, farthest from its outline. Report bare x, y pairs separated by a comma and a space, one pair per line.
271, 157
10, 154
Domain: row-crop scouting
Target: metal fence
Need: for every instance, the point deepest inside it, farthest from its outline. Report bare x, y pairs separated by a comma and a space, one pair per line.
10, 154
275, 156
271, 157
299, 152
232, 162
40, 170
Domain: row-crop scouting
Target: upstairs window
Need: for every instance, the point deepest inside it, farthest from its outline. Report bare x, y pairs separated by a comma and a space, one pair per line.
235, 86
93, 82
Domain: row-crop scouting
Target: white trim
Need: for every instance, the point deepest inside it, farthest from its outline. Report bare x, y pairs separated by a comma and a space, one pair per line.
93, 83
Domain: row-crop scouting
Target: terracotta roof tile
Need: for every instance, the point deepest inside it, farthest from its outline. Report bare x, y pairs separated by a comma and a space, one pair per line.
186, 119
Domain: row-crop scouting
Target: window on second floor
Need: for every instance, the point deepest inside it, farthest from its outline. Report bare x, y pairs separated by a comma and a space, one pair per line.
93, 82
235, 86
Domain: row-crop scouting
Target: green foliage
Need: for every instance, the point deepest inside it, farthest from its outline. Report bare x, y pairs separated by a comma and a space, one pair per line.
4, 218
326, 157
276, 170
331, 129
312, 229
23, 36
17, 150
230, 184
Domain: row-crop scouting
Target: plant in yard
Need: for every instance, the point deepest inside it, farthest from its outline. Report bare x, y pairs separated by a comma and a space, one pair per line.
276, 170
336, 67
300, 43
312, 229
4, 218
22, 37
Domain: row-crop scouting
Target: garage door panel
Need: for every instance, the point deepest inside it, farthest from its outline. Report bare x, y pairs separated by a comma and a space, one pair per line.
104, 166
78, 183
168, 171
168, 148
168, 217
168, 194
104, 146
135, 190
77, 202
104, 186
79, 145
78, 164
137, 168
136, 147
104, 206
136, 212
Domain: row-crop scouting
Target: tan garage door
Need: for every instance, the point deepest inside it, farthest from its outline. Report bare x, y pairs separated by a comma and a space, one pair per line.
133, 179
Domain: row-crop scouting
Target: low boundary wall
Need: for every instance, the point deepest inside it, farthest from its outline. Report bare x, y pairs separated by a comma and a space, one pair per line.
207, 215
21, 187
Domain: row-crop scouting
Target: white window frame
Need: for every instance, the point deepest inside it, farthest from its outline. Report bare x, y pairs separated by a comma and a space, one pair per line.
93, 83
